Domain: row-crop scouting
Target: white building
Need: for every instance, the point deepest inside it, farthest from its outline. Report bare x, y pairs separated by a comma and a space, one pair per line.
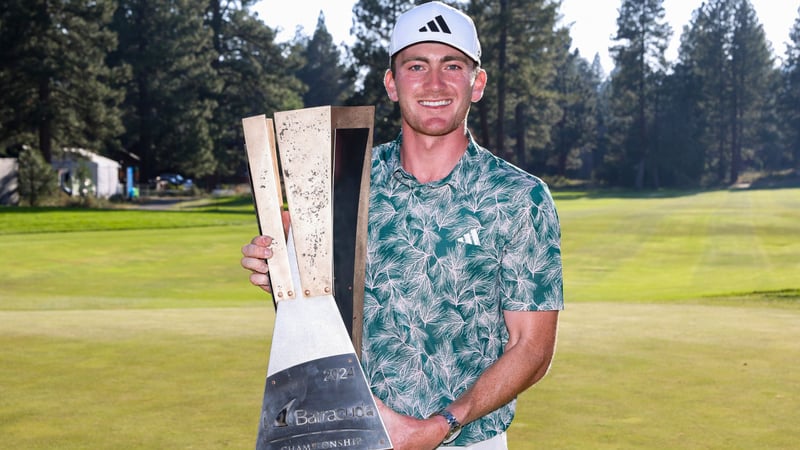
104, 172
8, 181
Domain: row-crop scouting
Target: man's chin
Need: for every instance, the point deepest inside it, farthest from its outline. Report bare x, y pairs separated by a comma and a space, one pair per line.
436, 127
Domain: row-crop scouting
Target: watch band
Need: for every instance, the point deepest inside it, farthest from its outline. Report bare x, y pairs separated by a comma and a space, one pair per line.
455, 426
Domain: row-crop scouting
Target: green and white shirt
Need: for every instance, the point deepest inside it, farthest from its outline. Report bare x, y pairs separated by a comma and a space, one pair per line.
444, 260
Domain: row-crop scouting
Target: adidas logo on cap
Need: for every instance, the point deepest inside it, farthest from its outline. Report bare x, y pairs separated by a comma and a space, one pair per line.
436, 22
436, 25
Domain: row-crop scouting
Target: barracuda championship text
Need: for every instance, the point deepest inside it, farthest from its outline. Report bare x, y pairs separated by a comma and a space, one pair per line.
337, 443
305, 417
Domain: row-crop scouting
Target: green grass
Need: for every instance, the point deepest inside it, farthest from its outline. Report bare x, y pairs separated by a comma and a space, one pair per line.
663, 376
138, 329
215, 212
191, 267
145, 379
88, 259
681, 247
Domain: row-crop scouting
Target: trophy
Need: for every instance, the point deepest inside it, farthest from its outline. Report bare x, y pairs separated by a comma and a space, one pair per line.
316, 394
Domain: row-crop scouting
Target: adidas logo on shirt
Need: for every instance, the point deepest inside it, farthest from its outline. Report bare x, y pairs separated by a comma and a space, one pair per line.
470, 238
437, 25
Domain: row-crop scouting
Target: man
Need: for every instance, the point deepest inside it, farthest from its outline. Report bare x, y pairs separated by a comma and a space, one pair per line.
463, 283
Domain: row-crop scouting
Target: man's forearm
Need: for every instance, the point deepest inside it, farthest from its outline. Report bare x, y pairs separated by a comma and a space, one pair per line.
526, 361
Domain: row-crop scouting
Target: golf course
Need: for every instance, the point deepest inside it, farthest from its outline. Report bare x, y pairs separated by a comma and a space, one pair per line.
127, 328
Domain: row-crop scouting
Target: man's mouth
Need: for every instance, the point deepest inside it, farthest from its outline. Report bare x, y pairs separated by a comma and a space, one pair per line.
431, 103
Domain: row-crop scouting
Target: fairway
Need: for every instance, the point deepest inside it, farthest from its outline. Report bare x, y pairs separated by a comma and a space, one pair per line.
138, 330
680, 248
625, 376
666, 376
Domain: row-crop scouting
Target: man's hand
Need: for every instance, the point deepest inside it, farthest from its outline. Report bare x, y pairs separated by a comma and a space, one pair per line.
409, 433
254, 259
258, 251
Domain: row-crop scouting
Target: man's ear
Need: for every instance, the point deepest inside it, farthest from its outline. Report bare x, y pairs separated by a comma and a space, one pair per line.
388, 83
479, 85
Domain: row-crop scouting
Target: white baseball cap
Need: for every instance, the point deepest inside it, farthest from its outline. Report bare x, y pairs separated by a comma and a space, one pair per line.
436, 22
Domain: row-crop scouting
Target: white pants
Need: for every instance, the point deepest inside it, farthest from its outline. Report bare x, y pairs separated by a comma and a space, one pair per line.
499, 442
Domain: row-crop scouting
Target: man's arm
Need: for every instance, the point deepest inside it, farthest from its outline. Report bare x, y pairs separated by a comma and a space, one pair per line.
530, 349
527, 357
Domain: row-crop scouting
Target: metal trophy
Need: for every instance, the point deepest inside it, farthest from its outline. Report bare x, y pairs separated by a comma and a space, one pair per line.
316, 394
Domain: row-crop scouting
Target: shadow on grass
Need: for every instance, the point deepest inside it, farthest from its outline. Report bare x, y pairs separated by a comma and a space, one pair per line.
160, 206
27, 220
780, 297
788, 179
573, 194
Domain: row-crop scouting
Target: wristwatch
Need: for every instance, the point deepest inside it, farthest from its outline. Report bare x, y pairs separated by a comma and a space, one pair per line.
455, 425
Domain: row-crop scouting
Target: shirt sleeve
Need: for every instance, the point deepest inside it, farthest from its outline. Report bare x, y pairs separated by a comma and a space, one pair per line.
531, 273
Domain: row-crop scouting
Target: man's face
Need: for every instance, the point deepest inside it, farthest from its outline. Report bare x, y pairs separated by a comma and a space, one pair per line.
434, 85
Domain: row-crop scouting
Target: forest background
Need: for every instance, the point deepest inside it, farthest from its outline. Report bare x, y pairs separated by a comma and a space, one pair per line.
136, 328
163, 85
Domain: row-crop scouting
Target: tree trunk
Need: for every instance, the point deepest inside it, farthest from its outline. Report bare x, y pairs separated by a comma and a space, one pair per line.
483, 122
721, 163
519, 132
144, 144
45, 120
736, 144
644, 145
501, 82
640, 166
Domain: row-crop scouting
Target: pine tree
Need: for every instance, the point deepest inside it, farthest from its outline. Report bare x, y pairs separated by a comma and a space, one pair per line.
171, 96
727, 67
373, 21
751, 67
642, 38
57, 89
323, 73
681, 127
573, 135
602, 114
517, 112
256, 76
37, 179
790, 111
704, 50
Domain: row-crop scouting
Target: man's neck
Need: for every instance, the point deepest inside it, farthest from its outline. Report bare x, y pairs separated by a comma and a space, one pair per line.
432, 158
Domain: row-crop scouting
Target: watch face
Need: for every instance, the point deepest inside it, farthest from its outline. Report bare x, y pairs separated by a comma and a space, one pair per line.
452, 435
455, 426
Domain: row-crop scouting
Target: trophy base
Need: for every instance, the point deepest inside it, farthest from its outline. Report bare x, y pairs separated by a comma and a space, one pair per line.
319, 404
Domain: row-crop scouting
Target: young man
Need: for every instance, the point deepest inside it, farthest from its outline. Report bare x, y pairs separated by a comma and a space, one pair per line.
464, 280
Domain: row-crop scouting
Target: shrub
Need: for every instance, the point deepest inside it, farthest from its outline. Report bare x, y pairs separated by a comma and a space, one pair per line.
37, 179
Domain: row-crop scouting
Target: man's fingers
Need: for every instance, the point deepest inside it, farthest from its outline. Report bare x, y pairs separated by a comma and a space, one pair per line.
257, 250
263, 241
257, 265
254, 259
261, 280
